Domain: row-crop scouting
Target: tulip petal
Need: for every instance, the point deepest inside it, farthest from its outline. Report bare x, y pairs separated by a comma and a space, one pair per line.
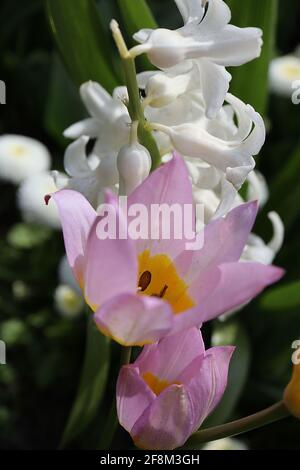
77, 217
224, 288
169, 185
111, 263
166, 423
172, 355
134, 320
133, 396
224, 241
208, 383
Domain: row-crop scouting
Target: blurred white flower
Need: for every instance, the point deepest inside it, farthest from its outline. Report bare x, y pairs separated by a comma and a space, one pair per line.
65, 275
283, 72
30, 198
228, 443
208, 39
21, 157
68, 302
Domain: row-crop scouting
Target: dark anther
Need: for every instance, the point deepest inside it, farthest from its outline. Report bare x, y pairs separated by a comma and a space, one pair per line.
145, 280
162, 293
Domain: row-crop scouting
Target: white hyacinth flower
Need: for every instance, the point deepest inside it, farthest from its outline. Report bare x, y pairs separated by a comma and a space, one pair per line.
109, 121
265, 253
206, 37
21, 157
232, 154
30, 198
283, 72
68, 302
88, 175
134, 165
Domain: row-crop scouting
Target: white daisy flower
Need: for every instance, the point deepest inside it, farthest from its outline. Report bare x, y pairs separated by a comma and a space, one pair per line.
30, 198
68, 302
283, 73
21, 157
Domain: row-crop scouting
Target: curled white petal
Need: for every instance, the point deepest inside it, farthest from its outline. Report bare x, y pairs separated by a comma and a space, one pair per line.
75, 160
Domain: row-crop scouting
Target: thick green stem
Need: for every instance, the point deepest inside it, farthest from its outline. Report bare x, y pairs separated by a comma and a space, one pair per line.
135, 107
112, 418
257, 420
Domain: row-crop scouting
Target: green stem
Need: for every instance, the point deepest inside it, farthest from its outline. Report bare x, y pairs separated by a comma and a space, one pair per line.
257, 420
135, 108
112, 418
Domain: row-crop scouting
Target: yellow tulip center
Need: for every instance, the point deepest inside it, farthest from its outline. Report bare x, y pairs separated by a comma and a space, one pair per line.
157, 386
158, 277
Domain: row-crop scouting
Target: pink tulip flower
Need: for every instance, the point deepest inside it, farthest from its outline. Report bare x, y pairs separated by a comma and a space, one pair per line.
143, 290
171, 388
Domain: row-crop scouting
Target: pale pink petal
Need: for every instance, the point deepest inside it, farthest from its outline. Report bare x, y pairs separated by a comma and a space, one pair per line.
133, 396
111, 264
171, 355
135, 320
169, 185
167, 422
224, 241
209, 381
77, 217
224, 288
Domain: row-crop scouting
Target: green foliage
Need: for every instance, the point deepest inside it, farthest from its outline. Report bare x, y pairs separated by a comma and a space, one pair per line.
250, 81
27, 236
231, 332
92, 384
84, 47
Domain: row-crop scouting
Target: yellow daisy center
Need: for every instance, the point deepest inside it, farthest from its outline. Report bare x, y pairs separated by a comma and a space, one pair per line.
292, 71
158, 277
18, 150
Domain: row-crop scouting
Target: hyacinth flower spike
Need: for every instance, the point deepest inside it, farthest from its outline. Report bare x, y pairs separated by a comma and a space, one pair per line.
142, 290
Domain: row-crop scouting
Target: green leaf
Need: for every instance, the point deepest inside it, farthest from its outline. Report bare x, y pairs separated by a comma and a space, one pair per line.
250, 81
63, 106
92, 383
283, 298
83, 45
231, 333
285, 191
27, 236
137, 15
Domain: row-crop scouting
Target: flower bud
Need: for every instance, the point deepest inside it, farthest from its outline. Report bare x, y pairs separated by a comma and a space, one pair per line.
291, 396
134, 164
